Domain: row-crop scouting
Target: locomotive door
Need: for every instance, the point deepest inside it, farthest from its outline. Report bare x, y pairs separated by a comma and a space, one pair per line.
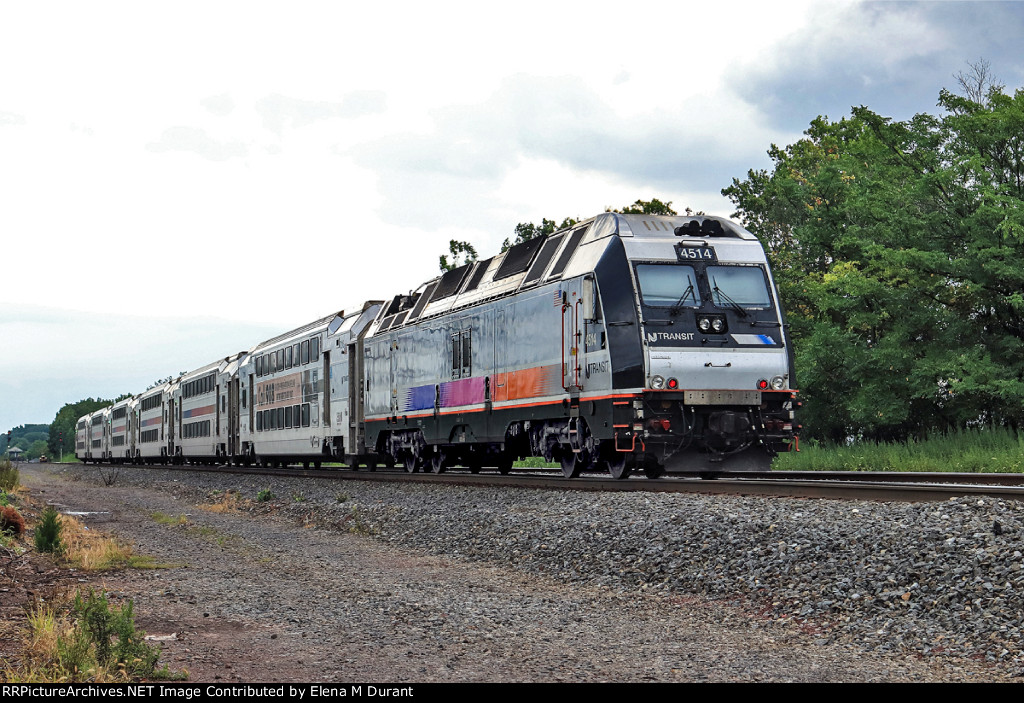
354, 400
572, 342
393, 378
499, 383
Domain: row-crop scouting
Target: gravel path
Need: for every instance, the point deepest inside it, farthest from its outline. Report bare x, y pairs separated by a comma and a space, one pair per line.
357, 581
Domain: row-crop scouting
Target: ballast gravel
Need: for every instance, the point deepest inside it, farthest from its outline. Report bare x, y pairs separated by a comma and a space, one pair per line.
420, 582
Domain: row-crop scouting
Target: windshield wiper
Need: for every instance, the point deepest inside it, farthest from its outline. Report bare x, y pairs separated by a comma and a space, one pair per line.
688, 292
732, 303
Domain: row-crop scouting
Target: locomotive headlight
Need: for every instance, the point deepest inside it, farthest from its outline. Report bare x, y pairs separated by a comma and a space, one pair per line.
657, 382
778, 383
717, 324
704, 324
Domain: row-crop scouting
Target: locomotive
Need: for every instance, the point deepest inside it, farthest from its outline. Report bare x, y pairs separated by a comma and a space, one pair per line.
622, 343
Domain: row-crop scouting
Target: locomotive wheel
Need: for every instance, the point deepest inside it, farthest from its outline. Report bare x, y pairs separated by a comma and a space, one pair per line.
410, 462
619, 466
572, 464
652, 469
438, 463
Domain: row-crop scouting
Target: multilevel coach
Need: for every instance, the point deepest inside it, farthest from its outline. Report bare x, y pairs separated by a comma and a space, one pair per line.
625, 341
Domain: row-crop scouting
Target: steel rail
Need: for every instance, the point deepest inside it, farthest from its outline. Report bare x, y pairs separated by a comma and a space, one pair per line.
800, 484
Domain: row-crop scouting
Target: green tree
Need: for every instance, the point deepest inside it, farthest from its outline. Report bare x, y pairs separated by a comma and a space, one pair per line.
526, 231
896, 247
648, 207
461, 253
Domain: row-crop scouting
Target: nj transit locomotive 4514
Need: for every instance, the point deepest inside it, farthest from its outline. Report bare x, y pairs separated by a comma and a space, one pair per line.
625, 342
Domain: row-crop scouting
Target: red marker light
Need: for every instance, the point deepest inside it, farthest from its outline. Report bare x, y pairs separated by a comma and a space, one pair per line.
762, 384
673, 383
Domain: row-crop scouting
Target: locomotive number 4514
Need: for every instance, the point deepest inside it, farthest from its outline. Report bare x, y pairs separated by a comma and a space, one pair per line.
684, 253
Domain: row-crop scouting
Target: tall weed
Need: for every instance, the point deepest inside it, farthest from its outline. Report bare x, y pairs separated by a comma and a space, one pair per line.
9, 476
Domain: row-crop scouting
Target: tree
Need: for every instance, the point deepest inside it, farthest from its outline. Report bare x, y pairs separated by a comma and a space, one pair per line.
648, 207
896, 247
526, 231
977, 83
462, 253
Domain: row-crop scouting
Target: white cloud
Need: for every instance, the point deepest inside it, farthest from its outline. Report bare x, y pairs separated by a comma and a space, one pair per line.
199, 142
219, 105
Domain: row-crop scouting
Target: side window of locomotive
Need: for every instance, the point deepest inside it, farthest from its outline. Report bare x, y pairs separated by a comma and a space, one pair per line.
668, 285
740, 285
467, 354
462, 354
456, 356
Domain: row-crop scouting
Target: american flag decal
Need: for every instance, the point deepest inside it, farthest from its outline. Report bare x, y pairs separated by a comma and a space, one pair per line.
558, 297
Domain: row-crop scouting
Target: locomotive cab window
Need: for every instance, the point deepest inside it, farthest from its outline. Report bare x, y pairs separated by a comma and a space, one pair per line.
668, 285
745, 286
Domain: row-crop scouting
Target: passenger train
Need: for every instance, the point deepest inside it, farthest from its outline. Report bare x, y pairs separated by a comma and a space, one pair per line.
626, 342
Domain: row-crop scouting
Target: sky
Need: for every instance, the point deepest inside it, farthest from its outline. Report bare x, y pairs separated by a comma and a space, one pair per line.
181, 181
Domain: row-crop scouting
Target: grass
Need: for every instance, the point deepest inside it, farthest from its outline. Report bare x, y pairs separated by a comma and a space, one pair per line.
169, 520
969, 451
534, 462
225, 502
82, 638
9, 476
87, 549
354, 523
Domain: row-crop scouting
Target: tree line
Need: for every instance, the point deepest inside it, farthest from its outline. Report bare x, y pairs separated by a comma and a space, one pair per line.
898, 248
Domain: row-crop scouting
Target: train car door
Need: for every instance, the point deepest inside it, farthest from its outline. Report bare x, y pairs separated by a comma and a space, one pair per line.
327, 371
233, 419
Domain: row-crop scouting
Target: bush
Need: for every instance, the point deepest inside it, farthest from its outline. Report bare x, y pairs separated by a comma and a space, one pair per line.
112, 636
48, 532
264, 495
89, 641
11, 520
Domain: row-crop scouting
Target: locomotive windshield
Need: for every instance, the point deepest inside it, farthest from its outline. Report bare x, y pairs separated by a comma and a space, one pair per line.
668, 285
743, 286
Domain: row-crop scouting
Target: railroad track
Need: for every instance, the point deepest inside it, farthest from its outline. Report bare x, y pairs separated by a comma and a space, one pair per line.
852, 485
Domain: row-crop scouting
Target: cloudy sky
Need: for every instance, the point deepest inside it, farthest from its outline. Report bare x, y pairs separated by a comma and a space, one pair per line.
181, 180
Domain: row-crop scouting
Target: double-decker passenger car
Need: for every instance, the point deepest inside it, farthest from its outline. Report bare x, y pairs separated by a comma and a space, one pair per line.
203, 420
299, 403
122, 437
154, 430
